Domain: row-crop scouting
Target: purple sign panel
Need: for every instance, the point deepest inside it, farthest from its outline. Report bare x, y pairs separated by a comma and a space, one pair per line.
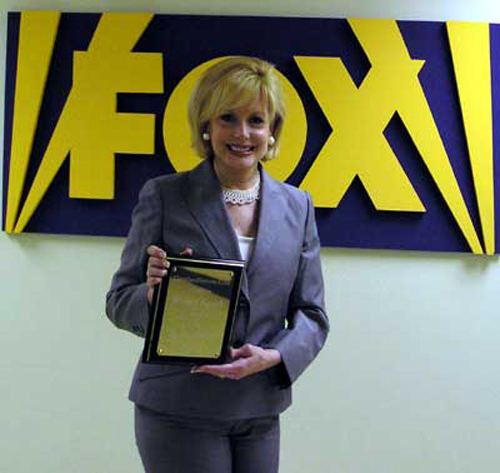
390, 124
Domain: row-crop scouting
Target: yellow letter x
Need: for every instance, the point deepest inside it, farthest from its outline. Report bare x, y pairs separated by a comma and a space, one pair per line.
358, 116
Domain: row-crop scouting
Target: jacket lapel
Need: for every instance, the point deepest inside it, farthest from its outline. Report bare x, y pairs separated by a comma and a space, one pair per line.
269, 217
204, 198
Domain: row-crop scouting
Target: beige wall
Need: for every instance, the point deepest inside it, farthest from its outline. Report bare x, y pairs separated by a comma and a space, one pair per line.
408, 382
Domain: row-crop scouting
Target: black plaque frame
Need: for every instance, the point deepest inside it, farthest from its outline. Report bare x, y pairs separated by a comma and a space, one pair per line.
158, 315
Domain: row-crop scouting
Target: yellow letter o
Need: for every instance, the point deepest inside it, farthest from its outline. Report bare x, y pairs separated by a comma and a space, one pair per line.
177, 134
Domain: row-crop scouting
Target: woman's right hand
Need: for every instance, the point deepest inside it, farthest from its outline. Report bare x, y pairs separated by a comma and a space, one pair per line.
156, 269
158, 266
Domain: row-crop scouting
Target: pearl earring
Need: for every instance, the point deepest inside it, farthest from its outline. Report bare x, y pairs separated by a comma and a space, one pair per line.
205, 136
271, 141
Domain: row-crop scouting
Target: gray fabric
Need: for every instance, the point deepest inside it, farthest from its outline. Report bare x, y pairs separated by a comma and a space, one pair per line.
171, 444
282, 300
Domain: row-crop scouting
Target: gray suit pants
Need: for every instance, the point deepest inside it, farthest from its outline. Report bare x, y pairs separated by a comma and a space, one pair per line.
174, 444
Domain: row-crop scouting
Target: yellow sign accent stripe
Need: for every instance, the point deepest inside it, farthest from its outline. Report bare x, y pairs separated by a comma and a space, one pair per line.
56, 153
37, 34
470, 50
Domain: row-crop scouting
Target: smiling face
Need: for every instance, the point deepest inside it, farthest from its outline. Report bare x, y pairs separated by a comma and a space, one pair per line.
240, 137
229, 91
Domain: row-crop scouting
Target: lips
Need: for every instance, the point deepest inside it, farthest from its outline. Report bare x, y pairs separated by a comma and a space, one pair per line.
240, 149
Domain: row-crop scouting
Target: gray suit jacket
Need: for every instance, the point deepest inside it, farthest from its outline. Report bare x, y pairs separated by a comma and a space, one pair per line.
281, 304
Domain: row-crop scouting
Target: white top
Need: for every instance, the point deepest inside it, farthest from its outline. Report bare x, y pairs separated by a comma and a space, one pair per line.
246, 245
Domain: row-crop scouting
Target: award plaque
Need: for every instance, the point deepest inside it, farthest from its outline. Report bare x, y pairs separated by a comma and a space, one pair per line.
193, 311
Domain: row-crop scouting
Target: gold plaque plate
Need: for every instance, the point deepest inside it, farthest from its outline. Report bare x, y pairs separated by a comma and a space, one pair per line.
193, 311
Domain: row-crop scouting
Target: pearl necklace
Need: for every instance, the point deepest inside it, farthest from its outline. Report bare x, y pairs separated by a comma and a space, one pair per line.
241, 197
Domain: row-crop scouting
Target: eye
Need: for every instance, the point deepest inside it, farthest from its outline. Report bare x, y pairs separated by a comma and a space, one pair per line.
227, 117
257, 120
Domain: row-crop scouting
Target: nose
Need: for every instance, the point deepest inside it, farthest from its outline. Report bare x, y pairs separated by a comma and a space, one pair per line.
242, 130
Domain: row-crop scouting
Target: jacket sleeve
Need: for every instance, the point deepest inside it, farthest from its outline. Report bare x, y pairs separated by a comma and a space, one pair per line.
126, 300
307, 322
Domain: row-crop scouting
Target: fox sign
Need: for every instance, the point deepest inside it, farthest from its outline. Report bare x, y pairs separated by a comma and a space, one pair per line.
390, 124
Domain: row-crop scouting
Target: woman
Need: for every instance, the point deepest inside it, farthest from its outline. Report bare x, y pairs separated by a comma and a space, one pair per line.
225, 418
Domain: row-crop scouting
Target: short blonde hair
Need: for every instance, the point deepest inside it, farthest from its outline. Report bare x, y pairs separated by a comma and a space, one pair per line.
229, 84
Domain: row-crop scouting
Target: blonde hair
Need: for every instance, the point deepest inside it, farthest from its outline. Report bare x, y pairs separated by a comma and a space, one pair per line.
229, 84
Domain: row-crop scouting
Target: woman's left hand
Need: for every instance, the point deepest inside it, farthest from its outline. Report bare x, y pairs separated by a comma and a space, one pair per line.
247, 360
